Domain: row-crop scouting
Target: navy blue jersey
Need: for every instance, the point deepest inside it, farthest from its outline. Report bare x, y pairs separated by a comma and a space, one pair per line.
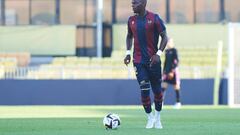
171, 60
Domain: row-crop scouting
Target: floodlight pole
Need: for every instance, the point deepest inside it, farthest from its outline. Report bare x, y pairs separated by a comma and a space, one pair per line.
99, 27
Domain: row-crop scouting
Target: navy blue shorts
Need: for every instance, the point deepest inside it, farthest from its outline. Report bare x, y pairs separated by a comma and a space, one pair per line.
146, 73
175, 80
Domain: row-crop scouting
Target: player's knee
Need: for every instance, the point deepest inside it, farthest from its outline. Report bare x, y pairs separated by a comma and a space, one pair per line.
164, 85
145, 85
177, 87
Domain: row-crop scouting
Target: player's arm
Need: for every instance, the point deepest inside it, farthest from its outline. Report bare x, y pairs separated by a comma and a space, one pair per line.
174, 64
163, 42
129, 47
175, 59
165, 64
162, 30
129, 40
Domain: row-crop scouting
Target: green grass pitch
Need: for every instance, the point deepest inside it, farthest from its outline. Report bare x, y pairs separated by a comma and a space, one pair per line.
87, 120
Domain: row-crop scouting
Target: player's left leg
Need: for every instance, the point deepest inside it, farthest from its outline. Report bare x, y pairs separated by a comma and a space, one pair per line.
155, 80
178, 101
158, 101
158, 95
176, 86
177, 90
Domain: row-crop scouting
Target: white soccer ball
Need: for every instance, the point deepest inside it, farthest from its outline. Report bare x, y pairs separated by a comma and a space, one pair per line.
111, 121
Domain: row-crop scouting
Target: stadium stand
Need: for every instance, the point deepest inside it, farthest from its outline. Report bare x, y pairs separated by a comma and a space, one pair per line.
21, 59
195, 62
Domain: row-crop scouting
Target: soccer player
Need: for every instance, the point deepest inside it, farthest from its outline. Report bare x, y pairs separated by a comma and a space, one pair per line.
145, 28
170, 71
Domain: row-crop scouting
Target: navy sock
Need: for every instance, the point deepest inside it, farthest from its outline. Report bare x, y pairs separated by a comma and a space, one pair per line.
146, 102
145, 95
177, 95
158, 98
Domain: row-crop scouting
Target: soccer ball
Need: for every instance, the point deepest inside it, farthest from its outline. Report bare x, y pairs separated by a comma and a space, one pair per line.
111, 121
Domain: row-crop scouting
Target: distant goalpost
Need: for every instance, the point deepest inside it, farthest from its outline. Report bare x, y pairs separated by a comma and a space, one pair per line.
234, 64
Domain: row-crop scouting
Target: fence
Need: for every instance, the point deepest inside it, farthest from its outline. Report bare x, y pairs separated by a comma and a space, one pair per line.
93, 72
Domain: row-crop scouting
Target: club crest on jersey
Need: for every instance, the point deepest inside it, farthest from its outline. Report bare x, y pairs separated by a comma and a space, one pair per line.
149, 21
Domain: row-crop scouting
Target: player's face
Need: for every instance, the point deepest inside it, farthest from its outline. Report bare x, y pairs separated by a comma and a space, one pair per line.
137, 6
170, 44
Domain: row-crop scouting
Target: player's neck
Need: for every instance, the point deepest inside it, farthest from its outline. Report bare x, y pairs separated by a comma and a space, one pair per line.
142, 13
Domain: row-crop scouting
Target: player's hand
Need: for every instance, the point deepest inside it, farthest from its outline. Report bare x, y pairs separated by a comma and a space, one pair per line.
154, 60
127, 60
170, 75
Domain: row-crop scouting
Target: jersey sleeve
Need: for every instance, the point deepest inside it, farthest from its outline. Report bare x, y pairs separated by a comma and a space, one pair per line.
129, 32
159, 24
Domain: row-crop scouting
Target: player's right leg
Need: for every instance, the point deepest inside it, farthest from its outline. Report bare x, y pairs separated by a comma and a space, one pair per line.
146, 101
144, 83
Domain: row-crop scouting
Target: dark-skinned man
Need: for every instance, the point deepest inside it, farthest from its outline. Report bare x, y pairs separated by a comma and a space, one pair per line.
144, 28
